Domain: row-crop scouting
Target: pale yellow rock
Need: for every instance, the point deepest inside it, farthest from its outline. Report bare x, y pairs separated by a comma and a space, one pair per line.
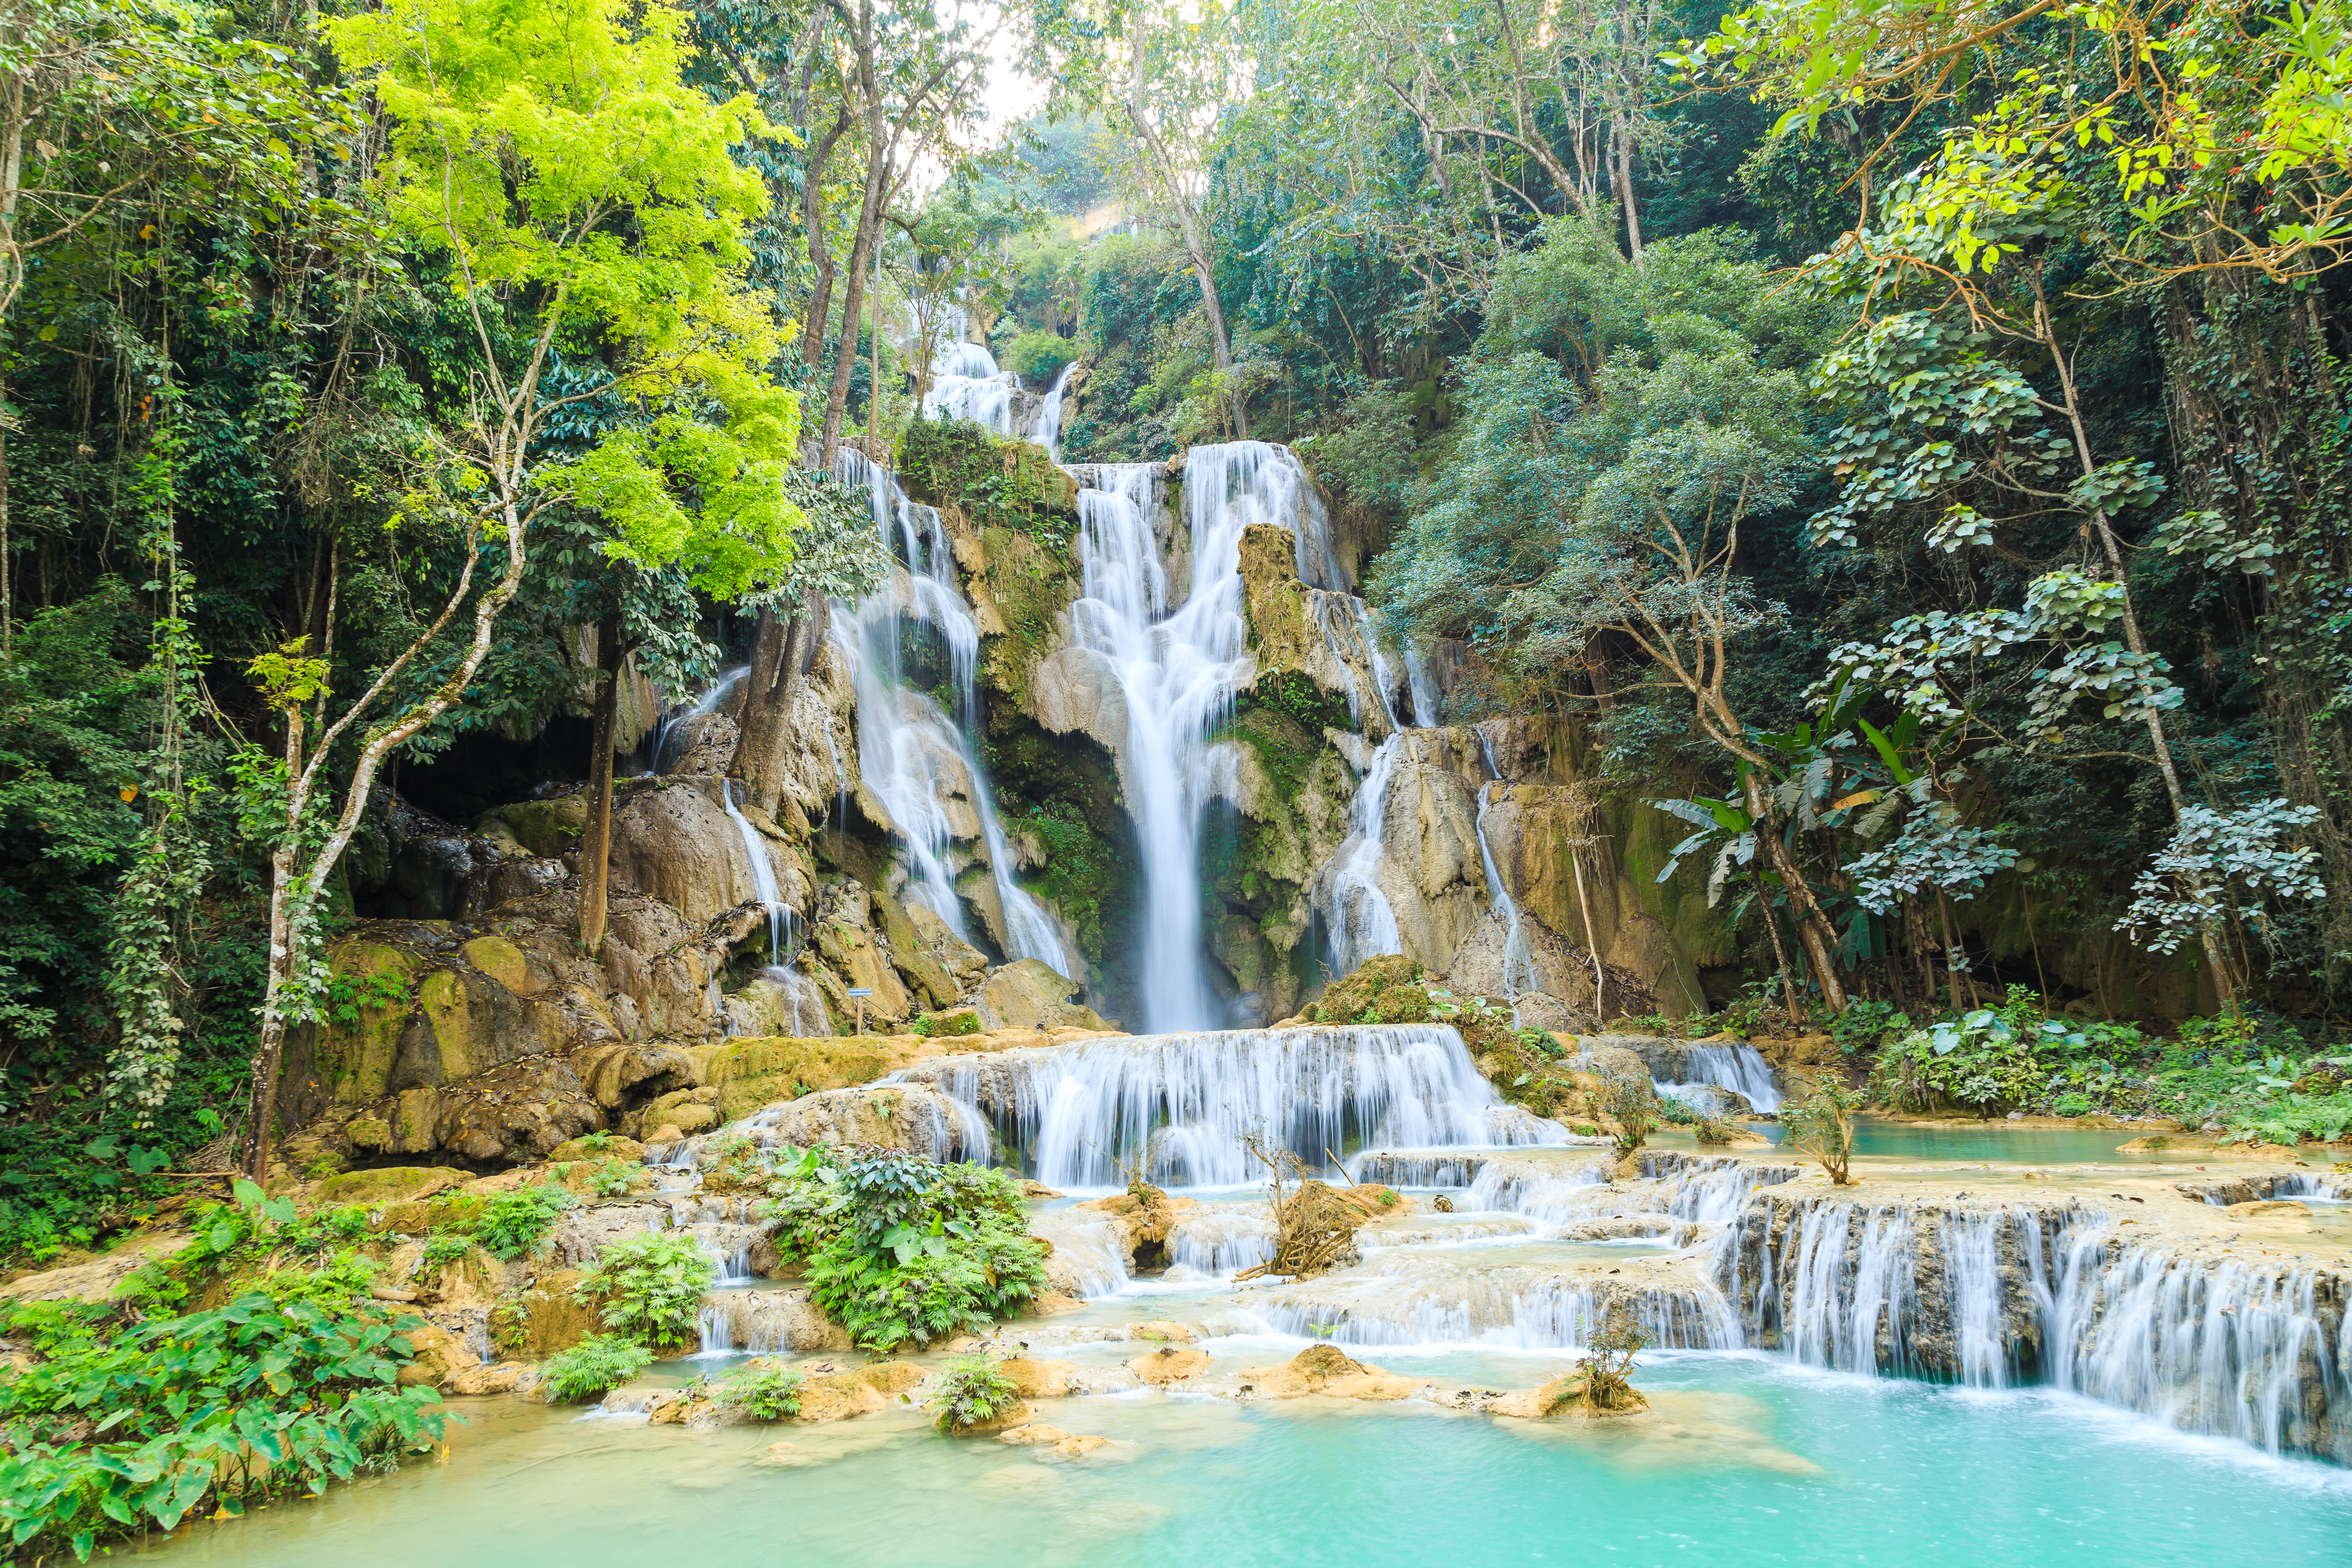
1168, 1365
1161, 1329
1038, 1379
1036, 1434
1076, 1447
495, 1377
1324, 1369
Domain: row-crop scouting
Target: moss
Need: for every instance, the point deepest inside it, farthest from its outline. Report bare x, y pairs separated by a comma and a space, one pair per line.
1299, 699
996, 483
1061, 790
1031, 588
1285, 744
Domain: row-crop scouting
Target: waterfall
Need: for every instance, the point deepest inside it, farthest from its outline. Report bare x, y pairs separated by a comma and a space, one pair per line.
966, 384
1049, 416
1518, 963
706, 704
1178, 1104
1740, 1067
764, 875
1348, 899
916, 759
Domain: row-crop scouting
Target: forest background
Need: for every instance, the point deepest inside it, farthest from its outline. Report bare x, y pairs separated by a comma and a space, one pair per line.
1910, 440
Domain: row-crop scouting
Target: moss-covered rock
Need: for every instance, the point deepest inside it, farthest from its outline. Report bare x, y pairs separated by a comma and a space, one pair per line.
536, 827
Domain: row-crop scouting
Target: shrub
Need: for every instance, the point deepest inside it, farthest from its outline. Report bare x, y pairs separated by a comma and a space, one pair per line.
515, 1224
592, 1368
1632, 1102
181, 1405
1867, 1025
973, 1390
900, 1248
1820, 1126
443, 1248
761, 1393
1039, 356
962, 1021
650, 1286
613, 1178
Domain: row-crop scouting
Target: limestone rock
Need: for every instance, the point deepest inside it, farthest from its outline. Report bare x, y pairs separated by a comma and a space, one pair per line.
678, 844
1039, 1379
1029, 994
1326, 1370
545, 1317
1036, 1434
1168, 1365
391, 1183
1076, 690
1163, 1330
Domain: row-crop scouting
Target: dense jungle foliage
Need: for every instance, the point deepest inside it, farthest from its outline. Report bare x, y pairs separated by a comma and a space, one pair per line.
1912, 441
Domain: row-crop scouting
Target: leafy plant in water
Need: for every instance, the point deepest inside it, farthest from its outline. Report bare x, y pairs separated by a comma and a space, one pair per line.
112, 1431
760, 1393
1632, 1103
592, 1368
1820, 1126
973, 1390
650, 1286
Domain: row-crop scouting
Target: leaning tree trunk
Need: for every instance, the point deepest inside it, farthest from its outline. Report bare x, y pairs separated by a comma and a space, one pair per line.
596, 838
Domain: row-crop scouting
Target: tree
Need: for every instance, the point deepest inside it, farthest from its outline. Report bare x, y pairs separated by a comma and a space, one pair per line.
587, 201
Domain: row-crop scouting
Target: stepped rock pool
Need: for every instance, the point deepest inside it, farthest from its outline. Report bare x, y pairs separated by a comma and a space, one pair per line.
1746, 1459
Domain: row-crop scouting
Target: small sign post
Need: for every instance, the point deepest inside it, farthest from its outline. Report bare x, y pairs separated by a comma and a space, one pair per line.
861, 993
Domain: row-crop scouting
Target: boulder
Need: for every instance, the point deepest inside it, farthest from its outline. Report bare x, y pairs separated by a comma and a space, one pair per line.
678, 845
1039, 1379
389, 1184
1168, 1365
1077, 691
544, 1317
1326, 1370
1030, 993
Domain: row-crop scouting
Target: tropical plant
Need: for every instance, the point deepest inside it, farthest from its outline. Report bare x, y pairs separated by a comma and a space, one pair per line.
1631, 1102
1819, 1125
515, 1224
592, 1368
971, 1391
761, 1393
114, 1430
650, 1287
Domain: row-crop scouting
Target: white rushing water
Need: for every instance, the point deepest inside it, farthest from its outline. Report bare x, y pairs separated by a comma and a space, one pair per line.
966, 384
1518, 963
919, 761
1179, 1103
1049, 415
1178, 671
1737, 1066
674, 720
763, 876
1355, 914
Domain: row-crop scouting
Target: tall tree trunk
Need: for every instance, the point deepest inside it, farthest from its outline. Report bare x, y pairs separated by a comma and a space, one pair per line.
1813, 930
2159, 743
781, 653
1625, 194
596, 838
820, 253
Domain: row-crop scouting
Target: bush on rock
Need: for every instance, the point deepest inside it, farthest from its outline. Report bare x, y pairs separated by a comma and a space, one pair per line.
592, 1368
650, 1287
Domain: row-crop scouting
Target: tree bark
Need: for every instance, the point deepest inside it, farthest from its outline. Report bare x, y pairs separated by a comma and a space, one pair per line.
781, 656
596, 838
820, 254
1814, 932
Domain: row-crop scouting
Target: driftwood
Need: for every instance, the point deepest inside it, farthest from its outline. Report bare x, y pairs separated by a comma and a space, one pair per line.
1314, 1228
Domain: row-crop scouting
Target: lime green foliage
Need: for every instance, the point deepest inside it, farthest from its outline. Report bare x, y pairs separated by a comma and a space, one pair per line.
238, 1241
900, 1248
964, 1021
592, 1368
1286, 745
523, 134
110, 1431
444, 1248
614, 1178
1039, 356
1866, 1025
514, 1224
973, 1390
761, 1393
994, 482
1386, 990
1632, 1105
650, 1287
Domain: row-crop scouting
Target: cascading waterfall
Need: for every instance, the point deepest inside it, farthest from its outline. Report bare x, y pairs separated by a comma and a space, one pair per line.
763, 876
1049, 414
1518, 963
1179, 1103
657, 757
1740, 1067
967, 384
1349, 901
911, 754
